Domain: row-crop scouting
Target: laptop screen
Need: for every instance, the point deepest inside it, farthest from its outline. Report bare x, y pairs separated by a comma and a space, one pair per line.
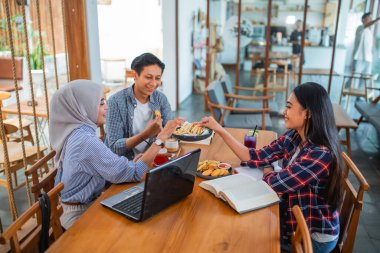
169, 183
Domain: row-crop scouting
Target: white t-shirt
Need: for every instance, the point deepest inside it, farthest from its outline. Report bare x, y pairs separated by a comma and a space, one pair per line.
363, 44
142, 115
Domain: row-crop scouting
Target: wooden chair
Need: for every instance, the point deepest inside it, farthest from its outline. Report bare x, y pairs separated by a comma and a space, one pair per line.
129, 74
14, 122
221, 110
301, 241
280, 80
15, 155
245, 101
45, 183
30, 243
351, 206
366, 92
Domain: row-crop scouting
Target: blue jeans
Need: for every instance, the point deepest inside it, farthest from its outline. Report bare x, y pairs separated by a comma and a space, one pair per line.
323, 247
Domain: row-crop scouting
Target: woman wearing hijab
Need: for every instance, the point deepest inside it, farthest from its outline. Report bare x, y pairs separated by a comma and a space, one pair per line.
84, 162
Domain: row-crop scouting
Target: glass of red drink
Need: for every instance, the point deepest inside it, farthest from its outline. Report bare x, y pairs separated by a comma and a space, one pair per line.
161, 157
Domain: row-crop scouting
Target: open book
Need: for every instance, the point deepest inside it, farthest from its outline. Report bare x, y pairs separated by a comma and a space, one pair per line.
243, 193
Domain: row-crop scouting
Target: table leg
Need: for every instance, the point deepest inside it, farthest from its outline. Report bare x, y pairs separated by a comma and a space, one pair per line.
348, 141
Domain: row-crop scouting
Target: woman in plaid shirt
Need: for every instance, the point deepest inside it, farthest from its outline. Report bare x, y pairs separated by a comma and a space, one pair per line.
311, 174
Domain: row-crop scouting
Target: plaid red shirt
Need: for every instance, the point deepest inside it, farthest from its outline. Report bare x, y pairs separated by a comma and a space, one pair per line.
303, 182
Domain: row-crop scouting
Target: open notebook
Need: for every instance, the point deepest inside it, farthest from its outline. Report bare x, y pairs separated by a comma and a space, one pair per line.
242, 192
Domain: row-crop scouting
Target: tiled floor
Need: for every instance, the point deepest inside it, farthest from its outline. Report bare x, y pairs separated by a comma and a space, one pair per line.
365, 153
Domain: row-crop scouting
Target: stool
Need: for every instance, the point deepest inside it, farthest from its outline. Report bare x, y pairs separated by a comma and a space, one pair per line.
351, 90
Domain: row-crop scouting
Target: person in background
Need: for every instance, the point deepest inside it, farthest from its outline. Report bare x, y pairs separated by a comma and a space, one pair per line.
131, 124
84, 163
362, 56
312, 170
296, 38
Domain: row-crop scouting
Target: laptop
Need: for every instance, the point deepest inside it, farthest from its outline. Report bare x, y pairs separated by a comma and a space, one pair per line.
163, 186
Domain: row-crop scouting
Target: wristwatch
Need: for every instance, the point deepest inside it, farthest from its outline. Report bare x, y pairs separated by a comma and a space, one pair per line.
159, 142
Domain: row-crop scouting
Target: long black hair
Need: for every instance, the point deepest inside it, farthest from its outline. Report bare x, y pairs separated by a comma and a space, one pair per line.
320, 129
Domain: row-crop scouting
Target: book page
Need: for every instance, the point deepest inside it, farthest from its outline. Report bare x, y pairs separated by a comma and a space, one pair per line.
256, 173
224, 183
252, 196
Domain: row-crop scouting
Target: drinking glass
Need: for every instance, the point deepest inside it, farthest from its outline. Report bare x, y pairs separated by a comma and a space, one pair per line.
250, 140
161, 157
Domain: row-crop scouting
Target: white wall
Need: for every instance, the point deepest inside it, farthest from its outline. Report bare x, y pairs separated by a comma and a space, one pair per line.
169, 54
186, 10
93, 40
129, 28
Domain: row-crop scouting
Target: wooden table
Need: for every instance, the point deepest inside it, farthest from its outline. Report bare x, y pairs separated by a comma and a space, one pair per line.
316, 72
342, 120
272, 56
26, 110
199, 223
9, 87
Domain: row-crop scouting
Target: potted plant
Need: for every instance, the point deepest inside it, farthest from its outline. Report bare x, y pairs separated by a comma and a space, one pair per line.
36, 63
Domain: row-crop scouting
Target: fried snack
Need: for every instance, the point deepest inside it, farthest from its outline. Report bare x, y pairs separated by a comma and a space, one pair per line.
157, 113
202, 167
223, 172
213, 166
210, 168
207, 172
215, 173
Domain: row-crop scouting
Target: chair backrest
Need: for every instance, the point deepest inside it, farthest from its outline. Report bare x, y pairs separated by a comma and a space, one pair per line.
226, 84
4, 95
46, 183
30, 243
351, 206
6, 69
301, 241
216, 96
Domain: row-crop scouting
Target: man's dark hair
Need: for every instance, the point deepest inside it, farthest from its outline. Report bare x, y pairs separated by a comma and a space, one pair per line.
365, 15
146, 59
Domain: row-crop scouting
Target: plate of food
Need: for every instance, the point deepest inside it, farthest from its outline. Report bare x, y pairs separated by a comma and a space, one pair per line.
192, 132
211, 169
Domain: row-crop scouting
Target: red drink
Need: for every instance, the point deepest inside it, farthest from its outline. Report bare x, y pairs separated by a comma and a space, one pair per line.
161, 157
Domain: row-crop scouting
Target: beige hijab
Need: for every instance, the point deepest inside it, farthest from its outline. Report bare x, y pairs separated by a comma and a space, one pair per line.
72, 106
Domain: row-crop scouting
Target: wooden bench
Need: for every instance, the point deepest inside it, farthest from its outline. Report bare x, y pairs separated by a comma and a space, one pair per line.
342, 120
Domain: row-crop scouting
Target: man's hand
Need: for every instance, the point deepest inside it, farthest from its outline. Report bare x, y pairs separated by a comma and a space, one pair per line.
169, 128
153, 127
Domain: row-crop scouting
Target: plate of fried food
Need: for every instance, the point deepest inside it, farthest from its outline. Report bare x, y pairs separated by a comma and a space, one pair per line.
192, 132
211, 169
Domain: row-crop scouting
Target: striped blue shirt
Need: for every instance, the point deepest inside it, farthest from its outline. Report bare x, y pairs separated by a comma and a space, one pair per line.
120, 114
88, 164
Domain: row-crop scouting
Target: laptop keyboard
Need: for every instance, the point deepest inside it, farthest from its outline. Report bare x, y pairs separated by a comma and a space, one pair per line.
131, 205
